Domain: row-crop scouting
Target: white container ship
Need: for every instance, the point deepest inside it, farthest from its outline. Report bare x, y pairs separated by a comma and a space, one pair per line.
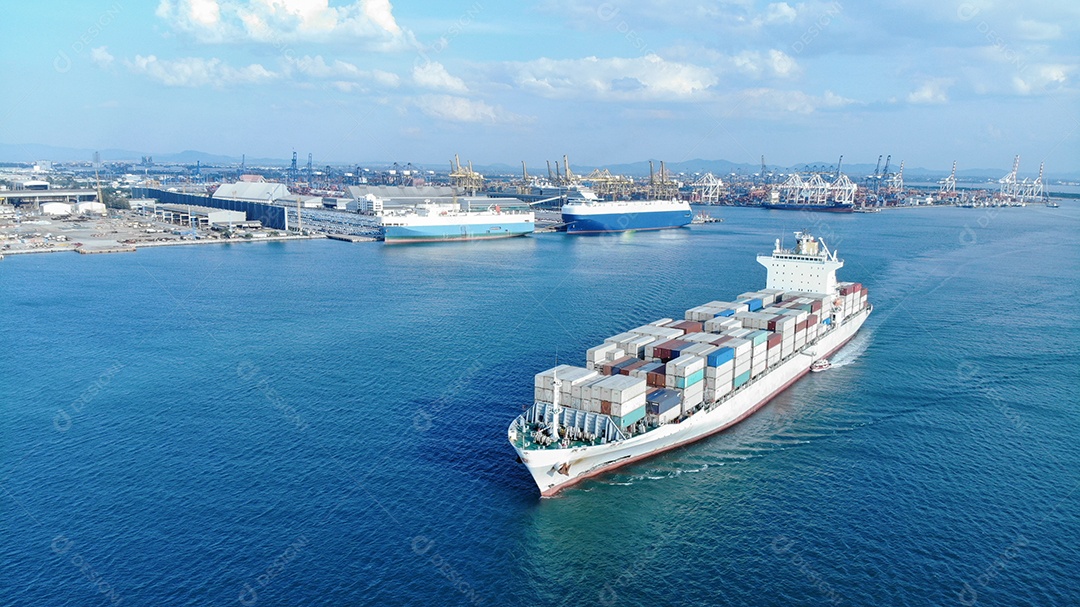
672, 382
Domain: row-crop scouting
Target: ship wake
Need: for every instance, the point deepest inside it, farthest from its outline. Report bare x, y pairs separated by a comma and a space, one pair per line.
852, 351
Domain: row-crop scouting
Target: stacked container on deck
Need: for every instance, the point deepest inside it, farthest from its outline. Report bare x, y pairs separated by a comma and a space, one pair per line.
853, 297
570, 376
669, 367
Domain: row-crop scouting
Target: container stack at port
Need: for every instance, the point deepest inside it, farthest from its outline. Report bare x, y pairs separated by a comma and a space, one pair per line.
667, 370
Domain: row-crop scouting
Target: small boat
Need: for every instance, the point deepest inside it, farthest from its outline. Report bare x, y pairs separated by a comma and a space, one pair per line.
820, 364
704, 217
1053, 205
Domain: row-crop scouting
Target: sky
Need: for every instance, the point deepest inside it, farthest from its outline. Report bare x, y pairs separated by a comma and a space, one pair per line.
928, 81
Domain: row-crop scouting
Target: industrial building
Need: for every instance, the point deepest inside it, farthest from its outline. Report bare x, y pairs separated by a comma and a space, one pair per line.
91, 207
256, 191
202, 217
36, 196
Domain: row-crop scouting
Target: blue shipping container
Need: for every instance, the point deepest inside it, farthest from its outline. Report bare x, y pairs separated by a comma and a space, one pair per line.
725, 313
630, 418
719, 357
686, 382
662, 400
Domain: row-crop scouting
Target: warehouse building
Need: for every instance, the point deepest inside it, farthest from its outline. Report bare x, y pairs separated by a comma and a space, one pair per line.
202, 217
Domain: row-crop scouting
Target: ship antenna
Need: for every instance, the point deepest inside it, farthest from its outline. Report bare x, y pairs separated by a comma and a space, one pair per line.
556, 407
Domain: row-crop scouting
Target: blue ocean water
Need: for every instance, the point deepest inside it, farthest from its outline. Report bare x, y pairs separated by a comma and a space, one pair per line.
319, 423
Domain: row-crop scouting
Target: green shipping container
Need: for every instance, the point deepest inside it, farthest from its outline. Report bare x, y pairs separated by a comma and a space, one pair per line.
686, 382
759, 338
741, 379
630, 418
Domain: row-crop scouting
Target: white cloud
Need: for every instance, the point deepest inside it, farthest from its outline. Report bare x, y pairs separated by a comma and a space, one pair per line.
317, 67
101, 57
648, 77
767, 101
1042, 78
341, 75
386, 79
782, 64
461, 109
755, 64
779, 12
1038, 30
280, 22
195, 71
433, 75
933, 91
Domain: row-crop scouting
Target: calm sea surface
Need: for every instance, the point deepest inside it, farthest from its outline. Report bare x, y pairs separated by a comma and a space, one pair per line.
319, 423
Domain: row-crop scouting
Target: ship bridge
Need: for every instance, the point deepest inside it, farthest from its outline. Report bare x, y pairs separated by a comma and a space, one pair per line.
809, 267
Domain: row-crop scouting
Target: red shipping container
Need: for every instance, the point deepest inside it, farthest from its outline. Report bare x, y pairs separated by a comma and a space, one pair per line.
774, 340
628, 368
719, 341
816, 306
688, 326
811, 320
605, 407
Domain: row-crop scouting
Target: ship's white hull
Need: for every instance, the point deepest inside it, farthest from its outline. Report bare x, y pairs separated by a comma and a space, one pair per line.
556, 469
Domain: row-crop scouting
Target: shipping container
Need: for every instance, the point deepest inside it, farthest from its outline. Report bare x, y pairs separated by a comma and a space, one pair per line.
621, 337
630, 417
721, 355
598, 354
741, 379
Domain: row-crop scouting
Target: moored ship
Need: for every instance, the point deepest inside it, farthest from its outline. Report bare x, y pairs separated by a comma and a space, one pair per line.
430, 222
599, 216
672, 382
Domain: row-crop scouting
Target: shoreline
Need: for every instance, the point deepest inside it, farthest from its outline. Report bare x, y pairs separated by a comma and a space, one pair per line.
120, 247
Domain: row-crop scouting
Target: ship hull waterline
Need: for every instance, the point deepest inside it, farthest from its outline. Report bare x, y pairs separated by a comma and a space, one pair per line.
543, 464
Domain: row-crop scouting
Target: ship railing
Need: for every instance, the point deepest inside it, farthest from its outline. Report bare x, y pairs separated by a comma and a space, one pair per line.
600, 426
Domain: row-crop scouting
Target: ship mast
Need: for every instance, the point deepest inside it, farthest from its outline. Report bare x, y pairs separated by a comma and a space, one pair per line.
556, 409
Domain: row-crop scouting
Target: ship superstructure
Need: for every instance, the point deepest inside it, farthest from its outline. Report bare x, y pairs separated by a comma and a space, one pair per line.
671, 382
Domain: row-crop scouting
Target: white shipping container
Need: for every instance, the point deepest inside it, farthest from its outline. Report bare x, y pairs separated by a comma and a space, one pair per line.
685, 365
615, 354
620, 388
698, 337
621, 337
726, 367
636, 344
669, 416
700, 349
599, 353
621, 409
546, 379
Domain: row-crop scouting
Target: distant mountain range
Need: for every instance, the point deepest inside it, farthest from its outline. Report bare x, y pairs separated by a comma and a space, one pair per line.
32, 152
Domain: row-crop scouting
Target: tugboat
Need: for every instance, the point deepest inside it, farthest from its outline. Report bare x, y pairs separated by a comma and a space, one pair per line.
819, 365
